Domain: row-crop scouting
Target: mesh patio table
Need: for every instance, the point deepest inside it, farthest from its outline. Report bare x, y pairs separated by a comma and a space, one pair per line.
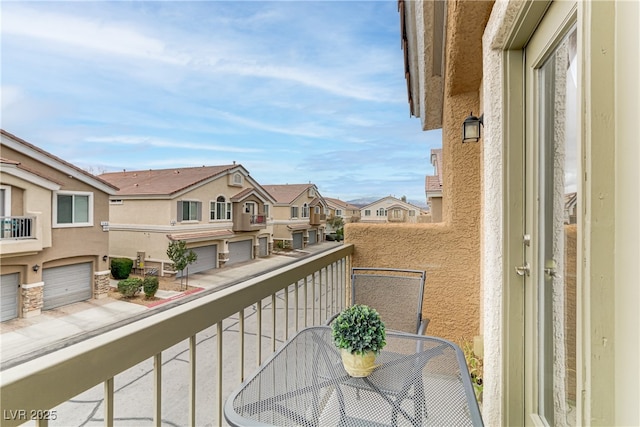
419, 381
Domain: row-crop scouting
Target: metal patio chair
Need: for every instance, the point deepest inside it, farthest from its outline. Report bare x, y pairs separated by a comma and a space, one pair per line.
395, 293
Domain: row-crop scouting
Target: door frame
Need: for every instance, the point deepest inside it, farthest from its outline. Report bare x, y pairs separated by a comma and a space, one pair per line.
519, 379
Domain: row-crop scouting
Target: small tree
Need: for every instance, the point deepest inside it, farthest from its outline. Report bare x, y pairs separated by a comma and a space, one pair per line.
177, 252
336, 222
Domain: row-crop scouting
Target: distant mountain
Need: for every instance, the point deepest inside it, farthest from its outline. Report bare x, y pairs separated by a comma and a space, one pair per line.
364, 201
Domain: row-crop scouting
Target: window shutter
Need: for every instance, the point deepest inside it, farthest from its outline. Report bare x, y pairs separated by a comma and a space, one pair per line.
179, 211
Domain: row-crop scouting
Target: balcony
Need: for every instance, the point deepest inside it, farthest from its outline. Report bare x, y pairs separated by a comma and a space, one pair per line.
17, 227
233, 329
317, 218
250, 222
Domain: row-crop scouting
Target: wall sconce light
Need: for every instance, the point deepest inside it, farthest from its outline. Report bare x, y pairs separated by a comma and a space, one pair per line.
471, 128
35, 268
105, 258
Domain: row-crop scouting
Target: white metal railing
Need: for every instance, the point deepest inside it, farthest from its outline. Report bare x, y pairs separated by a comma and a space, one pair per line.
301, 294
17, 227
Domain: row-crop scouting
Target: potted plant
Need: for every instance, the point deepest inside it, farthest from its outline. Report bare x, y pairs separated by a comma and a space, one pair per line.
359, 333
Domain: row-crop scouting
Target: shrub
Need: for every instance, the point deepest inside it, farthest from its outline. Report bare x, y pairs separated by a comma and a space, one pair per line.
359, 329
129, 287
150, 286
121, 268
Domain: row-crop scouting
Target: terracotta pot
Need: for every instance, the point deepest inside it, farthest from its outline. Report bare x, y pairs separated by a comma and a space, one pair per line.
358, 365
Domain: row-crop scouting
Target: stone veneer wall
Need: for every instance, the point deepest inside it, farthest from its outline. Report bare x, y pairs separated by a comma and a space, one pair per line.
32, 299
101, 284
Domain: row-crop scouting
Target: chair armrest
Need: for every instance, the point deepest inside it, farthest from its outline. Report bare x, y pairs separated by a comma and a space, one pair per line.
331, 319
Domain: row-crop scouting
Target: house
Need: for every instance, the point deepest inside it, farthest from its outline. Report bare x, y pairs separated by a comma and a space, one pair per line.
299, 215
390, 209
219, 211
53, 243
553, 90
340, 209
433, 186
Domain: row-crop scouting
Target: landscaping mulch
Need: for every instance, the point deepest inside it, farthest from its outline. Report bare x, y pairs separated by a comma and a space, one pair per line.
164, 283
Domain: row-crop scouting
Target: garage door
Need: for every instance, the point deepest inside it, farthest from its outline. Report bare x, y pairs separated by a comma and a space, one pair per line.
263, 245
67, 284
240, 251
207, 259
297, 240
313, 237
9, 296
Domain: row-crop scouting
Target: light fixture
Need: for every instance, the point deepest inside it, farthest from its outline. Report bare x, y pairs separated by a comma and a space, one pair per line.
35, 268
471, 128
105, 258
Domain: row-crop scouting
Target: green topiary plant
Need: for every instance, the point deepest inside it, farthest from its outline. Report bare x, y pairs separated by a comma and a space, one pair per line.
150, 286
129, 287
121, 268
358, 329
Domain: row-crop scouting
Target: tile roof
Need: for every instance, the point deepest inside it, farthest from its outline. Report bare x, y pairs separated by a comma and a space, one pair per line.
341, 204
286, 193
162, 182
433, 183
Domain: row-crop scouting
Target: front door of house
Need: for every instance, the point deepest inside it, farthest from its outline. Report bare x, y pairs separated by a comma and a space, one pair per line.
552, 195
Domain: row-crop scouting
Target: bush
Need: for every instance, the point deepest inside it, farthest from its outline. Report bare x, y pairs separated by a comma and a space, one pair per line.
359, 329
121, 268
129, 287
150, 286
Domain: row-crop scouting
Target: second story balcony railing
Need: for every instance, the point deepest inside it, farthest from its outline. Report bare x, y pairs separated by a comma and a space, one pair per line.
250, 222
17, 227
233, 329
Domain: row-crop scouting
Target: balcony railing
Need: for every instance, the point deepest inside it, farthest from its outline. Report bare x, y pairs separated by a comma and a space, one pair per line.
250, 222
17, 227
232, 322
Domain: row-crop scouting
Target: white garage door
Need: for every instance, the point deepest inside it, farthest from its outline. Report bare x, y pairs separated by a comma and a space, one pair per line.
297, 240
313, 237
9, 296
263, 244
67, 284
207, 259
240, 251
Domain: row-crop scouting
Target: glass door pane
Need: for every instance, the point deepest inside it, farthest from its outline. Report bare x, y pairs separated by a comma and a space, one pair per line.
557, 232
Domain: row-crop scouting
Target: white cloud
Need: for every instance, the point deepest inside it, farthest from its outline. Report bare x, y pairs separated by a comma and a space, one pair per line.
165, 143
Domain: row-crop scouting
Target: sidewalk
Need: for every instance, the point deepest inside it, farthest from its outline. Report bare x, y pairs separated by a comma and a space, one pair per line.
25, 339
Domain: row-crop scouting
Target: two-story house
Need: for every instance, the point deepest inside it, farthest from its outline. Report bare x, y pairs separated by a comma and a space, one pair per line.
339, 208
219, 211
299, 215
53, 243
390, 209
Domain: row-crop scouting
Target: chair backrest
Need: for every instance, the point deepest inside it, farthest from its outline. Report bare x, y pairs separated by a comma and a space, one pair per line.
395, 293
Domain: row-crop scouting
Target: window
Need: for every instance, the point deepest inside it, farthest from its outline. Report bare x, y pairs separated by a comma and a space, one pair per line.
115, 202
266, 211
381, 212
189, 211
294, 212
237, 179
305, 211
338, 212
396, 213
412, 213
367, 212
73, 209
220, 210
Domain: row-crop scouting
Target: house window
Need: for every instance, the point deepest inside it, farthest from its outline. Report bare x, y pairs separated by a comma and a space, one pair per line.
266, 211
381, 212
73, 209
189, 211
237, 179
412, 213
305, 211
338, 212
220, 210
396, 213
367, 212
294, 212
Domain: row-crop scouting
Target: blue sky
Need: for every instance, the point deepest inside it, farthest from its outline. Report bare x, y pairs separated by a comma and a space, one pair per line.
295, 91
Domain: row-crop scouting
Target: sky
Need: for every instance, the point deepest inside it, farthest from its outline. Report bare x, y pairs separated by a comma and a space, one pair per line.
295, 91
